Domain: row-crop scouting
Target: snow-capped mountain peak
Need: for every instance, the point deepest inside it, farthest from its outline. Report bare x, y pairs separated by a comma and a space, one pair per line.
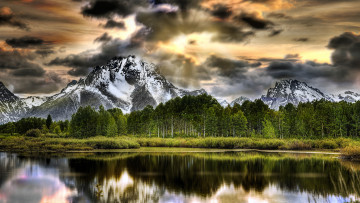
292, 91
128, 83
33, 101
6, 95
240, 100
222, 102
348, 96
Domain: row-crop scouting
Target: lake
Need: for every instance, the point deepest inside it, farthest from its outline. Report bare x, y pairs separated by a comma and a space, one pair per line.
182, 176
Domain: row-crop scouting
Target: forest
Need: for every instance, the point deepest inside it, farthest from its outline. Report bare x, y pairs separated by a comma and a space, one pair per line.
203, 116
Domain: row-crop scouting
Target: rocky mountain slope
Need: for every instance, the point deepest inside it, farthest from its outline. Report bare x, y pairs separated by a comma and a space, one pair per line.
239, 100
294, 92
131, 84
347, 96
127, 83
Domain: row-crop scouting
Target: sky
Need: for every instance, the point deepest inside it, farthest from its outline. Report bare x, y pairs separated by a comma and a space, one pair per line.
230, 48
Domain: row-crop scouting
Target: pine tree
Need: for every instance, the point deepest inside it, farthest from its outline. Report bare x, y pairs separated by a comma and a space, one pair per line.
48, 121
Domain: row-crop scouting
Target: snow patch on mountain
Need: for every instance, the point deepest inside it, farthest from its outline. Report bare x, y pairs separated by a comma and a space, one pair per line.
222, 102
33, 101
239, 100
294, 92
128, 83
348, 96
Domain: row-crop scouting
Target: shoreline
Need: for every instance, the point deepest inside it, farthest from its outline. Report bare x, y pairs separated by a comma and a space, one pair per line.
345, 148
183, 150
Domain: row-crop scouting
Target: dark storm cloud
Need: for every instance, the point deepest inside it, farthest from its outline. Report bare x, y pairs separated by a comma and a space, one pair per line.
106, 8
17, 66
275, 32
36, 72
221, 11
301, 39
302, 71
103, 38
227, 32
45, 52
7, 17
287, 58
24, 42
83, 62
254, 21
251, 84
292, 56
114, 24
227, 67
80, 63
278, 15
48, 83
16, 60
346, 51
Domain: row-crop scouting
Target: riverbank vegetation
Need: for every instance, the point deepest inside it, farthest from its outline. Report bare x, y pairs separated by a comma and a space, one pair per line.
193, 121
203, 116
44, 144
55, 143
351, 152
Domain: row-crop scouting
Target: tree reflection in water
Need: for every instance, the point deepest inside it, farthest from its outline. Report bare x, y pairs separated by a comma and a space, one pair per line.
198, 177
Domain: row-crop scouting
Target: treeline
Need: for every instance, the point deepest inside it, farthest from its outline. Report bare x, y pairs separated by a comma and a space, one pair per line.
44, 125
86, 122
203, 116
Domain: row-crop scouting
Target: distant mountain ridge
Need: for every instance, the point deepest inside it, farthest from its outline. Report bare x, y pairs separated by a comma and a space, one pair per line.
130, 84
292, 91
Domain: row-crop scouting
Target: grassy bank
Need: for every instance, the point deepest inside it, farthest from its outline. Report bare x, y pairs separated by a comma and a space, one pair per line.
350, 148
41, 144
249, 143
351, 152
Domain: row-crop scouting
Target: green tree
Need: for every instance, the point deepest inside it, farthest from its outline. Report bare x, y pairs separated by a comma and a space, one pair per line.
44, 130
83, 122
106, 125
239, 122
10, 128
48, 121
211, 121
268, 129
57, 130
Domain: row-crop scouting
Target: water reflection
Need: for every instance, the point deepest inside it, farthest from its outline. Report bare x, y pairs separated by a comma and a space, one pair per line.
178, 177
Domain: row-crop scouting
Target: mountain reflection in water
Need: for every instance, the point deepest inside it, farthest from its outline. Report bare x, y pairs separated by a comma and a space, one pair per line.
178, 177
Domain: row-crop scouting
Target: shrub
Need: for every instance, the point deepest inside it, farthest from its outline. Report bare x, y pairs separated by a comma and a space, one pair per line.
296, 145
33, 133
328, 144
351, 152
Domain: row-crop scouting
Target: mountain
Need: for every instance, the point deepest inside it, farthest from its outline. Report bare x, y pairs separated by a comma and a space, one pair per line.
294, 92
33, 101
239, 100
128, 83
222, 102
13, 107
9, 105
347, 96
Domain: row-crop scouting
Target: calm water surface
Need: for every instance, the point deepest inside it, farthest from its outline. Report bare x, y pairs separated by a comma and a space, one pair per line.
177, 177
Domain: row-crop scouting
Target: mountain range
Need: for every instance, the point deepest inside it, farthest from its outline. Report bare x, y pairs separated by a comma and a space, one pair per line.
130, 84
